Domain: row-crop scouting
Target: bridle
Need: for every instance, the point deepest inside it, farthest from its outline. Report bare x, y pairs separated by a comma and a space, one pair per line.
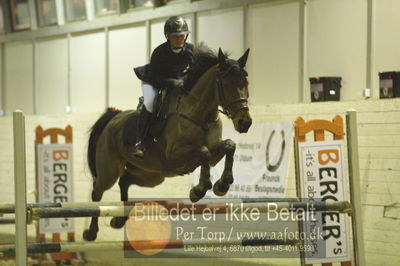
229, 108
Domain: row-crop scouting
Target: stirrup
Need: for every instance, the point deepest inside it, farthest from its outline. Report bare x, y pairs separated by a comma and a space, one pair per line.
138, 150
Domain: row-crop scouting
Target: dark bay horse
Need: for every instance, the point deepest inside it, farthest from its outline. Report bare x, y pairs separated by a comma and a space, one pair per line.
191, 137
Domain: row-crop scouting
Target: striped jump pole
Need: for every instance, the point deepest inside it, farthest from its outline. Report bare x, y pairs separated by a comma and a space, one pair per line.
9, 250
10, 208
7, 220
121, 211
344, 206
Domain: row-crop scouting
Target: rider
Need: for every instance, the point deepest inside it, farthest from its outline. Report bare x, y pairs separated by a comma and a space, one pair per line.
167, 69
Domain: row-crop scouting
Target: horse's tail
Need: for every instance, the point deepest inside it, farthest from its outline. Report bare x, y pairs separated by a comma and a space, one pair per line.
95, 132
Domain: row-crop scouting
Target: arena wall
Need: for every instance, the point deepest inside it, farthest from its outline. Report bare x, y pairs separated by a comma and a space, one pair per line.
290, 41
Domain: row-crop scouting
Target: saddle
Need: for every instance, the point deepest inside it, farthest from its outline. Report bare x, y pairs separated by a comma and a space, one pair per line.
157, 122
160, 114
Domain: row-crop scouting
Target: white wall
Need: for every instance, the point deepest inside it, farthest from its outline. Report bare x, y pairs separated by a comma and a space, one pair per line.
387, 40
273, 37
337, 41
222, 29
1, 78
51, 76
88, 90
127, 50
157, 33
18, 74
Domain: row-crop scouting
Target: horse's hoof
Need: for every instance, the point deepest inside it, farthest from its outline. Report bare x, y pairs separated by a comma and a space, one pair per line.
220, 188
196, 194
89, 236
117, 222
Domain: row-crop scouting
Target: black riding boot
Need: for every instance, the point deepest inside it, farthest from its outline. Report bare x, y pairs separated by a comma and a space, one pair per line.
144, 123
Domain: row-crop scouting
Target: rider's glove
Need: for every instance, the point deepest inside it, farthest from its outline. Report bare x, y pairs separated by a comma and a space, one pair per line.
178, 84
175, 84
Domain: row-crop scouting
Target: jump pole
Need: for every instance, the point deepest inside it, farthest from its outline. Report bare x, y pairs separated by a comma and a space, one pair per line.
20, 188
121, 211
8, 208
7, 220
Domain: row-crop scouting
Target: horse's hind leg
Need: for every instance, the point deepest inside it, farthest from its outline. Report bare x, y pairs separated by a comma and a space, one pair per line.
198, 191
91, 233
221, 187
109, 169
124, 183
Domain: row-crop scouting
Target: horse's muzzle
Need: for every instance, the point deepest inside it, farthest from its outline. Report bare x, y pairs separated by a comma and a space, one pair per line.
244, 125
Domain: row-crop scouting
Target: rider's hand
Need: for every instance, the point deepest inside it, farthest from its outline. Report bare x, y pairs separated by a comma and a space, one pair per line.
178, 84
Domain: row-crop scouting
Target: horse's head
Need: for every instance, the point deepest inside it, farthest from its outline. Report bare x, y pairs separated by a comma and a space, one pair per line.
233, 90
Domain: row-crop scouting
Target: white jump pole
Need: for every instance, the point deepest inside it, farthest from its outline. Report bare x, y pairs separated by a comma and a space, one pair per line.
20, 188
354, 180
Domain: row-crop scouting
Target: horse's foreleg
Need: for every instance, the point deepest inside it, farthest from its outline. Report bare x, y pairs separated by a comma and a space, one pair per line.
124, 182
91, 233
198, 191
221, 187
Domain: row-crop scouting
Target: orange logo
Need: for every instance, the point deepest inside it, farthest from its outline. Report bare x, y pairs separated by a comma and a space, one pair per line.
148, 228
60, 155
326, 156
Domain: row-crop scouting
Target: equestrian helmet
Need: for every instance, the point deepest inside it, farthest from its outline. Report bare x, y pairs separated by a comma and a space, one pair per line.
176, 25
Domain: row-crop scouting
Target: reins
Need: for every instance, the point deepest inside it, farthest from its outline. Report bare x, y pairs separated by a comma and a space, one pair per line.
228, 108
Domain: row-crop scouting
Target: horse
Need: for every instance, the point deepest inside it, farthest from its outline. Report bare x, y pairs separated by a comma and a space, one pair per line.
191, 137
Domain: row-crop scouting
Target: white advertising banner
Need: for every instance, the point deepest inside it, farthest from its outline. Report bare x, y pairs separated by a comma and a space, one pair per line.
55, 183
260, 163
322, 171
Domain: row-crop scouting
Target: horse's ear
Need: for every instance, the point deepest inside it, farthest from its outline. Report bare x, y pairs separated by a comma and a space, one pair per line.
242, 61
221, 57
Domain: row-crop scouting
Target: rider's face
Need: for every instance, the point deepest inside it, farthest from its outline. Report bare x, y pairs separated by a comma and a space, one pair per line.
176, 41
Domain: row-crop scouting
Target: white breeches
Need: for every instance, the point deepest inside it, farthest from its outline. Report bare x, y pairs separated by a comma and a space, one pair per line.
149, 94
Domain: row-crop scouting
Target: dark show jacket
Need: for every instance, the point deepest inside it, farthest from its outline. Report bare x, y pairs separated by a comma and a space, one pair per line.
166, 66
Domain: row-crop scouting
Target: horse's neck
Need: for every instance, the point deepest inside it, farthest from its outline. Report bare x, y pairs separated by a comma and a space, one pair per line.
203, 104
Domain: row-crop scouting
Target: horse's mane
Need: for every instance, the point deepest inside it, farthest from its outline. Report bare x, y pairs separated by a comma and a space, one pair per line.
203, 59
